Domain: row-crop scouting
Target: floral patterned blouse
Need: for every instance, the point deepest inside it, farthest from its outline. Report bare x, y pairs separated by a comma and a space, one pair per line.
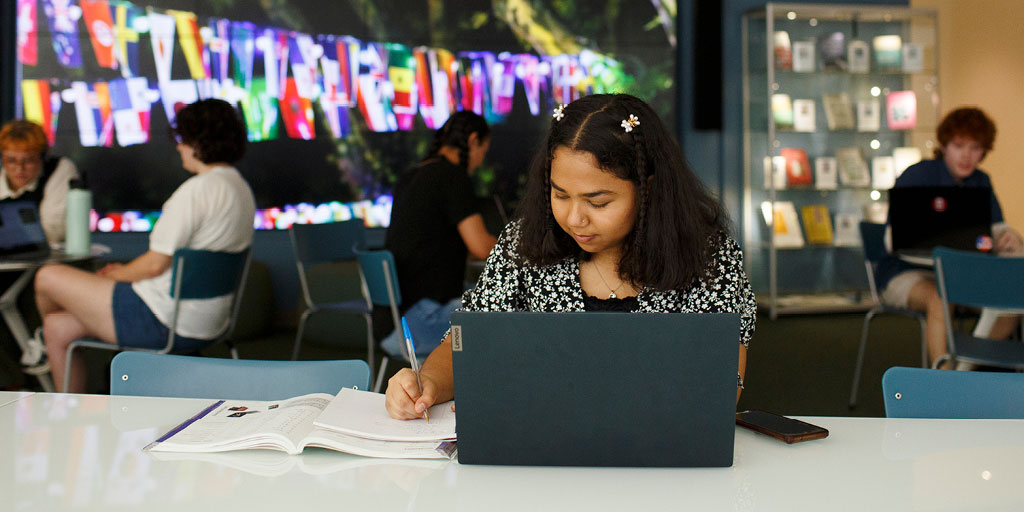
508, 285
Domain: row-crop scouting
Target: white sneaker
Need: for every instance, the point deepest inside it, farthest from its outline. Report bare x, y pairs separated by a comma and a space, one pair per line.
35, 351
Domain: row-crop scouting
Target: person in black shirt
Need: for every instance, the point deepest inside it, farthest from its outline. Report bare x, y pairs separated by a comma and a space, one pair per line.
434, 225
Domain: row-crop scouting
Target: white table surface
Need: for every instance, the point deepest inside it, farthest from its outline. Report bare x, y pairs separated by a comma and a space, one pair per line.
83, 452
9, 397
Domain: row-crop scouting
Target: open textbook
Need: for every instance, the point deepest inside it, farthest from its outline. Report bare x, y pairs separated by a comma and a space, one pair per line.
352, 422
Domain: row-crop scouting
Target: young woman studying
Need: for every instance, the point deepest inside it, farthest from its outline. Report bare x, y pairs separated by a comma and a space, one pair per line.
130, 304
613, 219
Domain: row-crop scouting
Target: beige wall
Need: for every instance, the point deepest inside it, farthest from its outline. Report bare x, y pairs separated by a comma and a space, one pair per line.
981, 51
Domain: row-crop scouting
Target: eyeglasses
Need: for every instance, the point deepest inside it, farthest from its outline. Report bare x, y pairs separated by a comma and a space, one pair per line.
25, 161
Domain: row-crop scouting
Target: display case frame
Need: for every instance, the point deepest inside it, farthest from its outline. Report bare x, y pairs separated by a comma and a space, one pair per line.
791, 276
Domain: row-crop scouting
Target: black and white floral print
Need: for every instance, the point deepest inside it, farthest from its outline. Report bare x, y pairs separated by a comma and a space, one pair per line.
508, 285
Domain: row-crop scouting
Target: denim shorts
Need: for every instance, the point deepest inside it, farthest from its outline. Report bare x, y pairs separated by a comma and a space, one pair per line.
428, 322
136, 326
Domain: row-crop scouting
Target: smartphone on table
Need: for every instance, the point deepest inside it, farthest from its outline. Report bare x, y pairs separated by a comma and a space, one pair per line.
780, 427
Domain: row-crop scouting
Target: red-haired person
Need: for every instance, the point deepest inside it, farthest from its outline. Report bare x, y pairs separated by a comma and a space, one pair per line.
965, 136
28, 174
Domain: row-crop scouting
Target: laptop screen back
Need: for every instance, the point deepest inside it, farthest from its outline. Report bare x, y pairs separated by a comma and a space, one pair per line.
923, 218
21, 234
595, 389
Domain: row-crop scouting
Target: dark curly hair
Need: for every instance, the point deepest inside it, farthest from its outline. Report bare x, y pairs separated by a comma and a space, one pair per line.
967, 122
456, 131
678, 223
214, 129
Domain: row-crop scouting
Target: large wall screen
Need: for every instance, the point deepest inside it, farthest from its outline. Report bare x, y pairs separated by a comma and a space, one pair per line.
338, 97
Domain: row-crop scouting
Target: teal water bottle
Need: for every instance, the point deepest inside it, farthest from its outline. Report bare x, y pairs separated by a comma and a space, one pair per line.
77, 226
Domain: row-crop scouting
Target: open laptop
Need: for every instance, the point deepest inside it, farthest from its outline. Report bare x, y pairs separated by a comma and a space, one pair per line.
923, 218
595, 389
21, 234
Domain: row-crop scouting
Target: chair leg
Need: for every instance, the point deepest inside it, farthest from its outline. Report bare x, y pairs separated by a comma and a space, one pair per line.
370, 344
924, 343
298, 335
860, 357
67, 368
380, 374
234, 350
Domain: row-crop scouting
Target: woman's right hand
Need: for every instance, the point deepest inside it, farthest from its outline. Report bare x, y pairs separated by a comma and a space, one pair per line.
403, 399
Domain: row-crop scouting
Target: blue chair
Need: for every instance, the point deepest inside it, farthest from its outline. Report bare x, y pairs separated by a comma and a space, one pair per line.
873, 239
928, 393
380, 284
980, 281
195, 274
318, 244
148, 374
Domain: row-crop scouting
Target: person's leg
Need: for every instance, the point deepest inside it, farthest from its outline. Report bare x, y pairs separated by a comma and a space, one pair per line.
923, 296
1004, 327
74, 304
60, 328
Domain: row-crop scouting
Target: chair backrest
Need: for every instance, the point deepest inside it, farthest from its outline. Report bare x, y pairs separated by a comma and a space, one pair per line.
207, 274
324, 243
979, 280
148, 374
925, 393
380, 280
872, 237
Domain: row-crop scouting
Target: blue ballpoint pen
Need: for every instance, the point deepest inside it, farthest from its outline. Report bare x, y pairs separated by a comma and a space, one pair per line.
411, 348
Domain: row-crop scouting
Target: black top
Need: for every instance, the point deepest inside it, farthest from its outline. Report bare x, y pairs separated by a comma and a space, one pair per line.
618, 304
36, 196
429, 202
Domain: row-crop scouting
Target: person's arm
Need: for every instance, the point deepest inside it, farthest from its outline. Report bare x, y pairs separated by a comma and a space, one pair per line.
742, 370
403, 398
149, 264
1007, 240
53, 207
475, 236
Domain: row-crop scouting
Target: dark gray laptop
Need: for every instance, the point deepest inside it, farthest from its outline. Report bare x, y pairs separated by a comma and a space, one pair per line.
923, 218
595, 389
21, 233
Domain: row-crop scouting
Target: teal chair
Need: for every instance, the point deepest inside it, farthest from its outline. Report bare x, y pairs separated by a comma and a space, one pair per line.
873, 240
149, 374
928, 393
195, 274
315, 245
380, 284
980, 281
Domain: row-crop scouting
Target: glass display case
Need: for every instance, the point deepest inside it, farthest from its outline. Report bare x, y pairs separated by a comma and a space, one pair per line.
837, 101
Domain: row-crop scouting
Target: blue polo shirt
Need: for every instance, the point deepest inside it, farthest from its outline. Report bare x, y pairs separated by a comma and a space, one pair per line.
932, 173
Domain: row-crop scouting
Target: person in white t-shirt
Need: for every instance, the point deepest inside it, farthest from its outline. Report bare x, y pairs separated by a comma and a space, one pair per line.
130, 304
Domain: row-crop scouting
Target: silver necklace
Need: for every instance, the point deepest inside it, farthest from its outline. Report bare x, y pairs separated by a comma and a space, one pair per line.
611, 291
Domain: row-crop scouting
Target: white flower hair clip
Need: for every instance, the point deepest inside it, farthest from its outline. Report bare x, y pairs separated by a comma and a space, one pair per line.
557, 113
629, 124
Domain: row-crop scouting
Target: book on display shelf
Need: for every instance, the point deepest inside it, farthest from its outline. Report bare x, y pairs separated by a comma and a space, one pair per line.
804, 116
803, 56
853, 170
905, 157
847, 232
869, 116
858, 57
826, 173
901, 110
838, 111
782, 111
913, 58
817, 224
354, 422
832, 51
888, 53
775, 172
786, 226
798, 167
883, 172
783, 50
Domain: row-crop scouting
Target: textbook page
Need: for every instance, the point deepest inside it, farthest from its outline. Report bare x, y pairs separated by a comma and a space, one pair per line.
324, 438
234, 424
362, 414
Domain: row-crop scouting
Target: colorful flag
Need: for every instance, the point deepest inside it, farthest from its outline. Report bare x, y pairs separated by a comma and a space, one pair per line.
130, 102
372, 97
35, 96
62, 18
126, 37
28, 49
101, 31
243, 50
175, 95
259, 109
92, 109
217, 53
402, 75
297, 113
191, 43
274, 45
161, 34
303, 54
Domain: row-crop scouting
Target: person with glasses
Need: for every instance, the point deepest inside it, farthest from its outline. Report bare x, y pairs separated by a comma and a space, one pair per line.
29, 174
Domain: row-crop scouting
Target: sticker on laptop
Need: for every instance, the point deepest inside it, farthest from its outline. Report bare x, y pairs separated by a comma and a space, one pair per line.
983, 243
456, 338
